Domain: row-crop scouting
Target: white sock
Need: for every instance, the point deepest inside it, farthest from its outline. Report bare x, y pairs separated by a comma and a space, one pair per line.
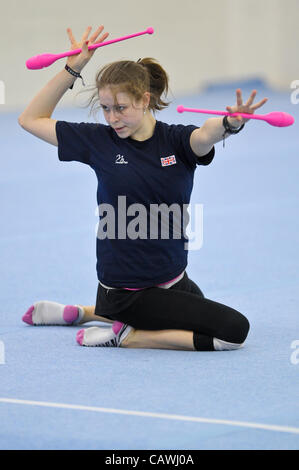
46, 312
220, 345
104, 337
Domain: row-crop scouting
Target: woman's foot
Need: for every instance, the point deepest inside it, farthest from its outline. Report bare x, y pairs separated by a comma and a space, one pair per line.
46, 312
104, 337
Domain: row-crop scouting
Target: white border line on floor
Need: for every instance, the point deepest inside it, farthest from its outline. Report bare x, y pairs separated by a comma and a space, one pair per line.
146, 414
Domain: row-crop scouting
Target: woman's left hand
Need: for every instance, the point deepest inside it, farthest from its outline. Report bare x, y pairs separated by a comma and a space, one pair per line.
247, 108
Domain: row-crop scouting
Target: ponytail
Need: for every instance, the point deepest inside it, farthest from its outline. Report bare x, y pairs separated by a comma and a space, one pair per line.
158, 82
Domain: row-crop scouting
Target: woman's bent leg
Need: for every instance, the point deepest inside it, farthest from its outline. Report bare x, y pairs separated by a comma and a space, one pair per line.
161, 339
176, 318
215, 326
90, 316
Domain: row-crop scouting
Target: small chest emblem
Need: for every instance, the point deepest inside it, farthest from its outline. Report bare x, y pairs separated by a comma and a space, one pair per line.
120, 159
167, 161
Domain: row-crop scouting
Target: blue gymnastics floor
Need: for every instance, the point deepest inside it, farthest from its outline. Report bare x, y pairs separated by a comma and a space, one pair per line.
55, 394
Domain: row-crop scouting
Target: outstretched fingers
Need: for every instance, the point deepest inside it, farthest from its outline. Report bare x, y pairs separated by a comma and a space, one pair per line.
259, 104
247, 107
102, 38
251, 98
239, 97
86, 33
71, 36
95, 37
255, 106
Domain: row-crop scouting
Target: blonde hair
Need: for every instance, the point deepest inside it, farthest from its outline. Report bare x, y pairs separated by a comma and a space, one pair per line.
134, 78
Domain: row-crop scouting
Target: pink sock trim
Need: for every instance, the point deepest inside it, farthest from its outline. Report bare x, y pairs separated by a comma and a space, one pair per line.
80, 337
27, 318
70, 313
117, 326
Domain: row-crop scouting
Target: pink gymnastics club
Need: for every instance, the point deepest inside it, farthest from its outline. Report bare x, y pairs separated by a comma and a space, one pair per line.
277, 118
44, 60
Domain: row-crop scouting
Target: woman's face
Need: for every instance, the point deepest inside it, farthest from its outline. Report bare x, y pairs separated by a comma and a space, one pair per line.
123, 114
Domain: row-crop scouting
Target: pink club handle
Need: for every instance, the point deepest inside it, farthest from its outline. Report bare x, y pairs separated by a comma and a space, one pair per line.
276, 118
44, 60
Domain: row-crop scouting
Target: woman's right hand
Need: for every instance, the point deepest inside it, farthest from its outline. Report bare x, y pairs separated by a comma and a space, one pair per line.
78, 61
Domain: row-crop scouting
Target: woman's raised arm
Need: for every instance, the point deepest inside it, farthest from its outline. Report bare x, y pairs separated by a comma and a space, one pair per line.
36, 118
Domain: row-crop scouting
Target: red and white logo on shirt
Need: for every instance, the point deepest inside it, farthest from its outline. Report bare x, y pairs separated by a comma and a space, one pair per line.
167, 161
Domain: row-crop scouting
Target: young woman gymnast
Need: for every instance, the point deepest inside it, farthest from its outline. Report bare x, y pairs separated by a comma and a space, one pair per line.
144, 291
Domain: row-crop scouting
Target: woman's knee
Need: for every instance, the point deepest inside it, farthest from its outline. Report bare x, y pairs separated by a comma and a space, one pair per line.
236, 328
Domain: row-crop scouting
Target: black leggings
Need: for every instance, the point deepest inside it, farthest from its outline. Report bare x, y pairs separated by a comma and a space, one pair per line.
184, 307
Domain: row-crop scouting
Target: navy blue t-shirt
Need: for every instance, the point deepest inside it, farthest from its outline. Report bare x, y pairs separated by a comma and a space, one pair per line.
135, 179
